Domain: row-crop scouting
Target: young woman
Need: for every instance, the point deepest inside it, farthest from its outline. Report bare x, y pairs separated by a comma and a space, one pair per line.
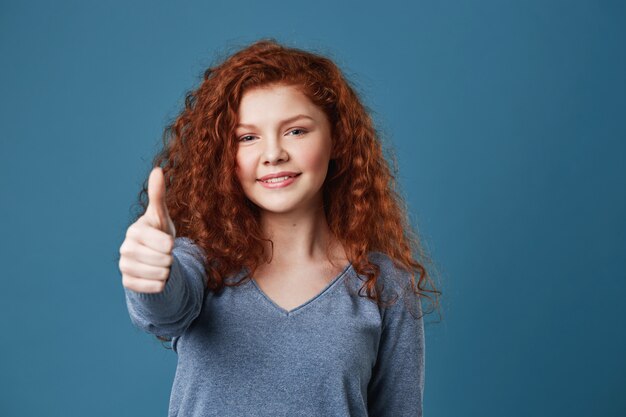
274, 252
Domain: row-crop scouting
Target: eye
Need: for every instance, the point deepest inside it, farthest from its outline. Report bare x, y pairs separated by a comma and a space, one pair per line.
242, 139
296, 130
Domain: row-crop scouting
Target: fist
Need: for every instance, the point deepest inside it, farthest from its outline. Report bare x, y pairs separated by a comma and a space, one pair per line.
146, 253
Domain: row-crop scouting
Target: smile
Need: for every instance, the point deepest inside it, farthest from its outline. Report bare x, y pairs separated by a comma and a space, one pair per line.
278, 182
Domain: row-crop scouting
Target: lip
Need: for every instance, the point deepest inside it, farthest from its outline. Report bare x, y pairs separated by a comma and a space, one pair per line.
279, 174
280, 184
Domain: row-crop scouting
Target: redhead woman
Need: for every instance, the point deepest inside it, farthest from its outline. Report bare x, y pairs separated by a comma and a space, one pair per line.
274, 252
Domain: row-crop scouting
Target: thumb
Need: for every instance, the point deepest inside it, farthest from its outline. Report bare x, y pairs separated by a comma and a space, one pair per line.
156, 212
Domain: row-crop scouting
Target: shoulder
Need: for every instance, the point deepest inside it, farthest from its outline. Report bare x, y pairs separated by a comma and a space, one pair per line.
184, 243
392, 275
395, 285
186, 247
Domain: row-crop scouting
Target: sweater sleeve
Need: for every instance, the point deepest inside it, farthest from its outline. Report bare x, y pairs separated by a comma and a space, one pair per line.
396, 386
169, 312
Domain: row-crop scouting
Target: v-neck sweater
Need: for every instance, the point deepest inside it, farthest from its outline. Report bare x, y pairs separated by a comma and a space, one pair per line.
241, 354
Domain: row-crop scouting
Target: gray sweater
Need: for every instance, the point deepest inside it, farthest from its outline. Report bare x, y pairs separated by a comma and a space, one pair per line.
240, 354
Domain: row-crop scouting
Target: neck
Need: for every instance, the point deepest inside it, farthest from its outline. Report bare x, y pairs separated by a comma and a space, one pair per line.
299, 238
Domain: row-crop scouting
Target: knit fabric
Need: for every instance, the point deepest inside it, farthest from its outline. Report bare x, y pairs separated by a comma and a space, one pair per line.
240, 354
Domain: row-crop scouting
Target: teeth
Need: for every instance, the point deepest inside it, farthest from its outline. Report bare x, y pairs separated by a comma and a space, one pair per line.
279, 179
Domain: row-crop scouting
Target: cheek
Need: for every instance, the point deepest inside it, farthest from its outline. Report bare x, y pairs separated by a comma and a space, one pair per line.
316, 159
245, 168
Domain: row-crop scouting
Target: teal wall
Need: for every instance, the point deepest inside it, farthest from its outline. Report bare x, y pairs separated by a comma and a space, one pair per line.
509, 121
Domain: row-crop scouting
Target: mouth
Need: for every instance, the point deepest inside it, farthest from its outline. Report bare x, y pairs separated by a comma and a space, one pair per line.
278, 180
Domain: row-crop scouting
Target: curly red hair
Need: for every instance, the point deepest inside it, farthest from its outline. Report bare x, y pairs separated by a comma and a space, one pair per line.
208, 205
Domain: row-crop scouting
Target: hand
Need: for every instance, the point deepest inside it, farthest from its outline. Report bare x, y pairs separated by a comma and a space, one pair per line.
146, 253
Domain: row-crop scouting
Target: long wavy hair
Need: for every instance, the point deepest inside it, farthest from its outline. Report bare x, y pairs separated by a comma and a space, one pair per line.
206, 201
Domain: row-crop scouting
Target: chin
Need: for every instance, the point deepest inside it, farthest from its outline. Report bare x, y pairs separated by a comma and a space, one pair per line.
276, 209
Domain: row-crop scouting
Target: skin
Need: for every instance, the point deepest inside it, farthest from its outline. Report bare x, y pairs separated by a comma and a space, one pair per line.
293, 216
146, 253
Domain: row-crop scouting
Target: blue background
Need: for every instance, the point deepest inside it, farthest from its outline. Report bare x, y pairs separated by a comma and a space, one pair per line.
509, 122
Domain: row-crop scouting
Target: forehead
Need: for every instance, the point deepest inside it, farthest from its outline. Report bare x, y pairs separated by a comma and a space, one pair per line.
275, 102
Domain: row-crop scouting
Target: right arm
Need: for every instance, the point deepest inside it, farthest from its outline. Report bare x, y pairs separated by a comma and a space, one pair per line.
163, 276
168, 313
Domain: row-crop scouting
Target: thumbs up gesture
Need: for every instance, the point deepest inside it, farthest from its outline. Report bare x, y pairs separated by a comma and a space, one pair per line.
156, 214
146, 253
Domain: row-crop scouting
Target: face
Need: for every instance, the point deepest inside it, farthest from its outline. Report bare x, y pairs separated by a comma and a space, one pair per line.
281, 130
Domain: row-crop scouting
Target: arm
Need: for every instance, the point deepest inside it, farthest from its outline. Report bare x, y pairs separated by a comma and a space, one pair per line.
396, 386
171, 311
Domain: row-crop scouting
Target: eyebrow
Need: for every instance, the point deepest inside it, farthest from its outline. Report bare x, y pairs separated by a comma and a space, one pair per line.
291, 119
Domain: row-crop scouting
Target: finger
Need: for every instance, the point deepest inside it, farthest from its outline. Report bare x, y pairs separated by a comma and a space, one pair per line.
145, 234
145, 255
142, 285
157, 208
137, 269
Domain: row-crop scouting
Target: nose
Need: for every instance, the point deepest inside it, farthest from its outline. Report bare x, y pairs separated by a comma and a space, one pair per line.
274, 152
